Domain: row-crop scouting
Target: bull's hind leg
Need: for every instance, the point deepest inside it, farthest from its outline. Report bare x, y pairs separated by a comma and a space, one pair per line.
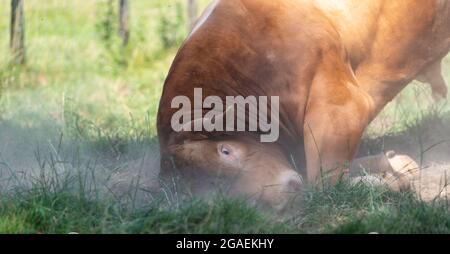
433, 76
338, 111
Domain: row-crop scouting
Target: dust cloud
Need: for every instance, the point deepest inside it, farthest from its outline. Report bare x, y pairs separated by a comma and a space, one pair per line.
43, 155
41, 152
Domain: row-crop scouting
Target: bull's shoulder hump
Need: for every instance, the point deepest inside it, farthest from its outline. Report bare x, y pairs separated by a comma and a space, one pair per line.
204, 17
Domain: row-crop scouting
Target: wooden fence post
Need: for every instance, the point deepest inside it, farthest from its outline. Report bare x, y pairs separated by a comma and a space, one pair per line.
124, 16
17, 32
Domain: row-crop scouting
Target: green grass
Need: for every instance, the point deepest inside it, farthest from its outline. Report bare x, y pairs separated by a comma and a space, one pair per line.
83, 107
64, 213
410, 217
360, 209
340, 209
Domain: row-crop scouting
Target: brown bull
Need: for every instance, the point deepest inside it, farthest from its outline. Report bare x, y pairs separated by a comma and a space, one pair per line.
333, 64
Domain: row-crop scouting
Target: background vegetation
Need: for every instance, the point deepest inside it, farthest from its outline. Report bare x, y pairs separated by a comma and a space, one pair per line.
82, 111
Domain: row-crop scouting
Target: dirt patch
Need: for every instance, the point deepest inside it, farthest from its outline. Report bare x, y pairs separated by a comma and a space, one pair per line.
433, 183
428, 143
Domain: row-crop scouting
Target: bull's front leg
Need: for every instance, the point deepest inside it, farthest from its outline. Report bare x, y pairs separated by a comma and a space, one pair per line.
337, 114
331, 141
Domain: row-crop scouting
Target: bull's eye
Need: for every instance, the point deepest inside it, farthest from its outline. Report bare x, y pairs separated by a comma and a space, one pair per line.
225, 151
228, 154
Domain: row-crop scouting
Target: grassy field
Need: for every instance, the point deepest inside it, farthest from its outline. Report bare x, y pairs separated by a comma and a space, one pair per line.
81, 114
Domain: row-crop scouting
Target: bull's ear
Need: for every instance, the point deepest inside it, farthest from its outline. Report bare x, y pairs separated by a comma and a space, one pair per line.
196, 137
187, 136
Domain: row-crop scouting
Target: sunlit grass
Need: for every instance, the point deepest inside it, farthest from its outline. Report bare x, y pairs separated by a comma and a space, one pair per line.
67, 69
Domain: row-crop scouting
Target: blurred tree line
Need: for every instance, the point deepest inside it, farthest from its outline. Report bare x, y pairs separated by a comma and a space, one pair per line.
169, 27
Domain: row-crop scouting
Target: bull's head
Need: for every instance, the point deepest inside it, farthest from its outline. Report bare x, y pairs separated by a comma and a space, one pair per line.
260, 171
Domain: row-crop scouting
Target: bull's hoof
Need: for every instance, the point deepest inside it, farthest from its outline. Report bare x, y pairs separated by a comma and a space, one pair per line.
391, 169
403, 171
